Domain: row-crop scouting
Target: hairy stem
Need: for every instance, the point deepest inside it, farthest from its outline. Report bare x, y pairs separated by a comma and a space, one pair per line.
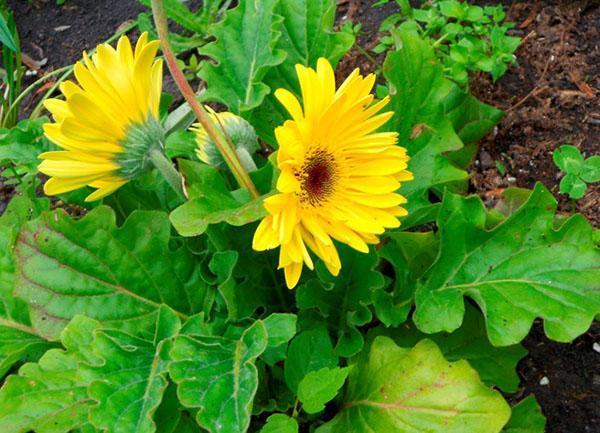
222, 141
172, 176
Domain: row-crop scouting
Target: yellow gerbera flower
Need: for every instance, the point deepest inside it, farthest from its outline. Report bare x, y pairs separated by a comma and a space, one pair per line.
338, 176
106, 119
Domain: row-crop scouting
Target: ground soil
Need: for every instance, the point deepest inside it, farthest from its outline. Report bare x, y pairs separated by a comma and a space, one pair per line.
551, 98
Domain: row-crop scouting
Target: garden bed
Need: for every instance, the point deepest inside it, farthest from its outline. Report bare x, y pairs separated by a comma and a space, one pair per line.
551, 98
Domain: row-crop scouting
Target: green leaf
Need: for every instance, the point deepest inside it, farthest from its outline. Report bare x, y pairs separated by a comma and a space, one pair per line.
526, 418
6, 36
119, 276
471, 118
281, 328
568, 158
211, 202
452, 8
427, 134
22, 144
571, 184
218, 376
344, 300
51, 396
244, 51
519, 270
132, 376
181, 143
472, 121
182, 15
272, 395
321, 386
306, 34
396, 389
194, 217
590, 171
496, 365
410, 254
309, 351
18, 340
168, 416
280, 423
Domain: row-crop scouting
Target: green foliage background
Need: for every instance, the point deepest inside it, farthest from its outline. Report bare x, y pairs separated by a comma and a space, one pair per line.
151, 315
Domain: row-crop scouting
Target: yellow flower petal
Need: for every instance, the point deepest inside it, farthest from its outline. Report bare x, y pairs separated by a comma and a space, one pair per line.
118, 89
338, 173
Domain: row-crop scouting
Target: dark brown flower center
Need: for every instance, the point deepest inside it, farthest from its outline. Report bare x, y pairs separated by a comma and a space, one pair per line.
317, 176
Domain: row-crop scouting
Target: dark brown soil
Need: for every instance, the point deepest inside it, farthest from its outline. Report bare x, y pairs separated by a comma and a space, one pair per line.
569, 400
61, 34
551, 98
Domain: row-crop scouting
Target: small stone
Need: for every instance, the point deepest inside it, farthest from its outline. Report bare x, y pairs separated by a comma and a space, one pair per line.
544, 381
486, 160
596, 347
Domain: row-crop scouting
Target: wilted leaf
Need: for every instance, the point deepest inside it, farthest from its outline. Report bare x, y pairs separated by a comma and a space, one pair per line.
520, 270
395, 389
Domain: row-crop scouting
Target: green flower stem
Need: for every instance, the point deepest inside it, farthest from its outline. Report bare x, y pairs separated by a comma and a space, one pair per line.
166, 168
222, 141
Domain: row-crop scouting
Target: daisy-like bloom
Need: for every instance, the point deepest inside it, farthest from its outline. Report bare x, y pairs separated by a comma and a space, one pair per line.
108, 120
339, 176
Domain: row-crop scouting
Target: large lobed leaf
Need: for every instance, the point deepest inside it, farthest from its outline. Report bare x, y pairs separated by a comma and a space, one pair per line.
105, 379
244, 51
416, 390
132, 377
119, 276
51, 396
496, 365
18, 339
431, 112
521, 269
217, 376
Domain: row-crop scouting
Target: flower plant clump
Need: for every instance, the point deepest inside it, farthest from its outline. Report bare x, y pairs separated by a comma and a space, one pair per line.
162, 288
